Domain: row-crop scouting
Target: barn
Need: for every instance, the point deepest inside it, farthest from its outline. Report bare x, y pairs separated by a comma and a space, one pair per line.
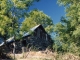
37, 38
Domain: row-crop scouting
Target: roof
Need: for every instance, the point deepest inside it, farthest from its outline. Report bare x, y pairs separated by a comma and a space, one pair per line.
32, 29
26, 34
1, 42
11, 39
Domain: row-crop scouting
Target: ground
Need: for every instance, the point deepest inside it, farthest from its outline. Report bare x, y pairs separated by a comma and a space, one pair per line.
45, 55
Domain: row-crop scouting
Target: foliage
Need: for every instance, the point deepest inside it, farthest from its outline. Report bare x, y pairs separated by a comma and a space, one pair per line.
68, 30
10, 13
73, 18
67, 56
36, 17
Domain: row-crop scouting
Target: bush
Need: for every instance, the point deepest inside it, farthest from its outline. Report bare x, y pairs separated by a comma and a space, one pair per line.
67, 47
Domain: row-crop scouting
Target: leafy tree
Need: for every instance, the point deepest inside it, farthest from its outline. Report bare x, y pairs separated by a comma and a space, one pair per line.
10, 13
72, 21
36, 17
67, 31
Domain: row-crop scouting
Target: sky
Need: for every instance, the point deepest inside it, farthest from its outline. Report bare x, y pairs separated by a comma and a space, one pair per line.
51, 8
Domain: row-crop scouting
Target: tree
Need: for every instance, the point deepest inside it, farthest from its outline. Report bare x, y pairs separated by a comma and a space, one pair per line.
72, 21
36, 17
10, 13
68, 30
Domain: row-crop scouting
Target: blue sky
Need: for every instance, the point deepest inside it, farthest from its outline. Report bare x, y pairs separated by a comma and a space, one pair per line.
51, 8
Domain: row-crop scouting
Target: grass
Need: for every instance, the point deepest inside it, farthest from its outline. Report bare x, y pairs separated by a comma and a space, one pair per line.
43, 55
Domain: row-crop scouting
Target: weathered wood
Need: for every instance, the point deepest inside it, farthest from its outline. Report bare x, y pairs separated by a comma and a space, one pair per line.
14, 49
39, 39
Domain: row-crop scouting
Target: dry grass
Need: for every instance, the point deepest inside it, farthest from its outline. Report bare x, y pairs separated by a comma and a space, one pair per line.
46, 55
67, 56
